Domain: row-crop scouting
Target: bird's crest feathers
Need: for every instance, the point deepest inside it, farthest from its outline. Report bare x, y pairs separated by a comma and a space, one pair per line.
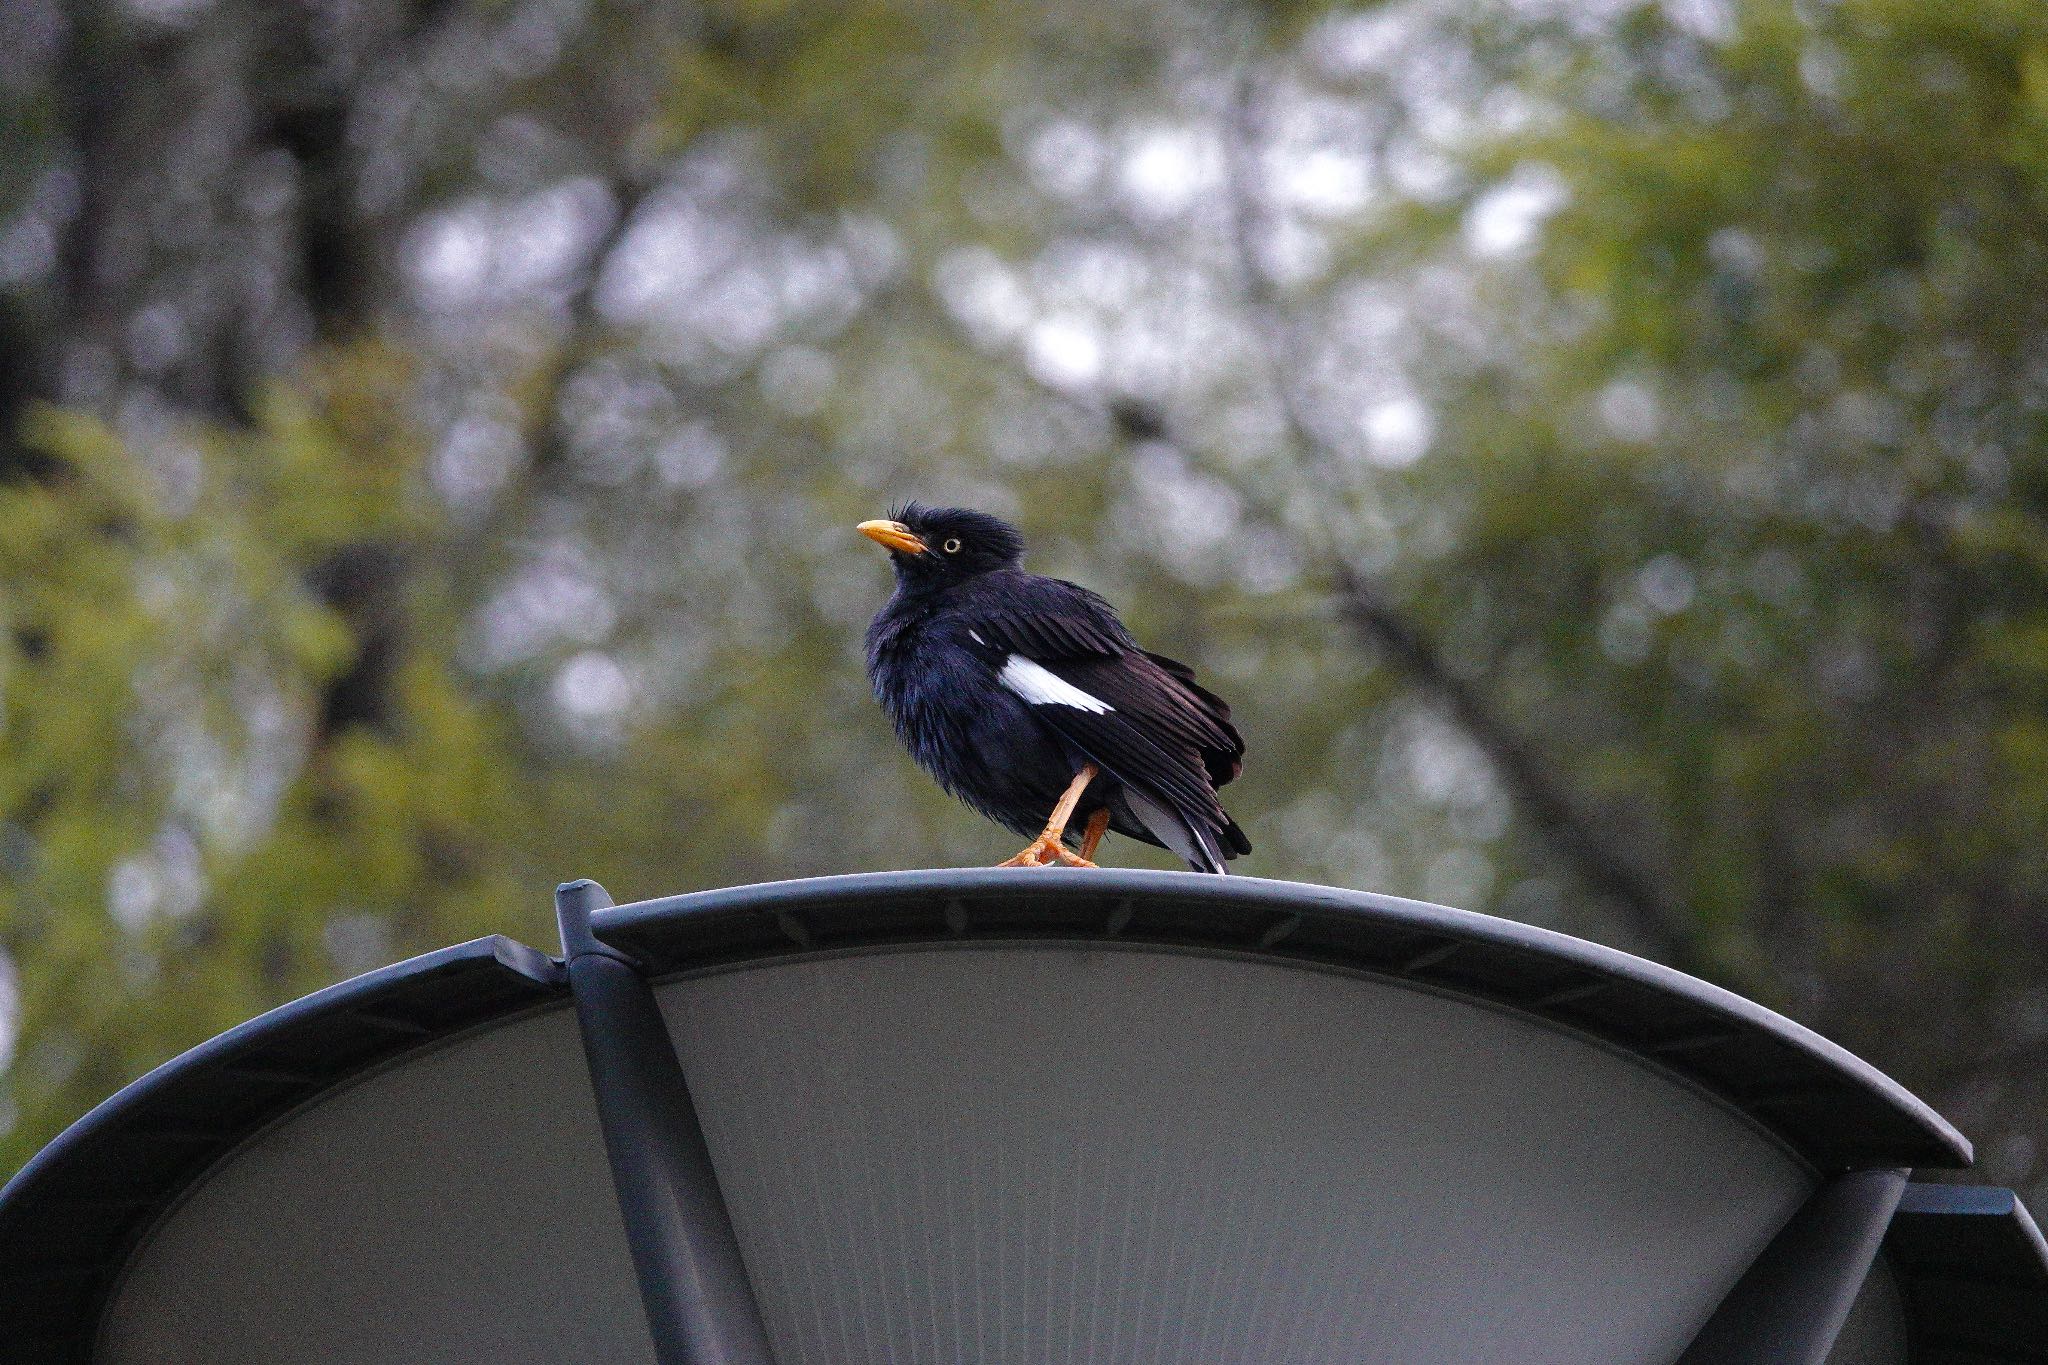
991, 538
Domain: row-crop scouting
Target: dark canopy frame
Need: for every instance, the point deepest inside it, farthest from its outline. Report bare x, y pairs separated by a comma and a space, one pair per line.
71, 1218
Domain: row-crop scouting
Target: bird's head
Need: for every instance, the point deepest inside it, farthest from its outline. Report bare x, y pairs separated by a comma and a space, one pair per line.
932, 547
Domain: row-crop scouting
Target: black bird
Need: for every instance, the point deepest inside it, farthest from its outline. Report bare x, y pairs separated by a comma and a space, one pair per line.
1027, 699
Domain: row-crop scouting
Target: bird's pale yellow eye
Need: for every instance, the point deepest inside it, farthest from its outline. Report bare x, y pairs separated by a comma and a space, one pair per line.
952, 545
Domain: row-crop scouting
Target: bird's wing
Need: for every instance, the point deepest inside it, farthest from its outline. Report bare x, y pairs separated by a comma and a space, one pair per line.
1225, 759
1074, 635
1134, 719
1140, 716
1049, 618
1138, 691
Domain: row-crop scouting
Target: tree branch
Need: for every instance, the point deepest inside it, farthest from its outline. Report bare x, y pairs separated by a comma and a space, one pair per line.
1375, 619
1525, 774
548, 438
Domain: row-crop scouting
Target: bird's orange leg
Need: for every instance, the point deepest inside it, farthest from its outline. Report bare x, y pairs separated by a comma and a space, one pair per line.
1098, 823
1047, 849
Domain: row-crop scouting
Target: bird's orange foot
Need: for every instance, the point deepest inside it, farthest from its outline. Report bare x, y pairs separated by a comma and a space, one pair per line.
1046, 851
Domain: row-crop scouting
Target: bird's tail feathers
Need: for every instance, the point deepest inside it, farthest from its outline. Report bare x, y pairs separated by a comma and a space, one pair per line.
1193, 840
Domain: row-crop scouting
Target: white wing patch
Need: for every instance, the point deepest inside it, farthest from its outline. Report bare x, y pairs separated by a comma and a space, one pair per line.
1042, 687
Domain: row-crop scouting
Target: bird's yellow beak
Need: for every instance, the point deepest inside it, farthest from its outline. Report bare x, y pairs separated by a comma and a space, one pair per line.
894, 534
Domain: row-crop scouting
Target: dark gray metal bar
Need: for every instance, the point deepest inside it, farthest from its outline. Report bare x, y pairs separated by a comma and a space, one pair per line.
1789, 1306
693, 1283
1976, 1272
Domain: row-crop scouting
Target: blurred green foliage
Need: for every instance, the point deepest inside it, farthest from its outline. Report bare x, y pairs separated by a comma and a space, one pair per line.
1754, 524
1598, 449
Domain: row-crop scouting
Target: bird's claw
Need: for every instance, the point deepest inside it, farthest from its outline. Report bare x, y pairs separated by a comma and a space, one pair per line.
1046, 851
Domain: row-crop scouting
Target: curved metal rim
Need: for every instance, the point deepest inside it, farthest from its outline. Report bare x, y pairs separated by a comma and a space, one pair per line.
1262, 917
80, 1173
135, 1097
